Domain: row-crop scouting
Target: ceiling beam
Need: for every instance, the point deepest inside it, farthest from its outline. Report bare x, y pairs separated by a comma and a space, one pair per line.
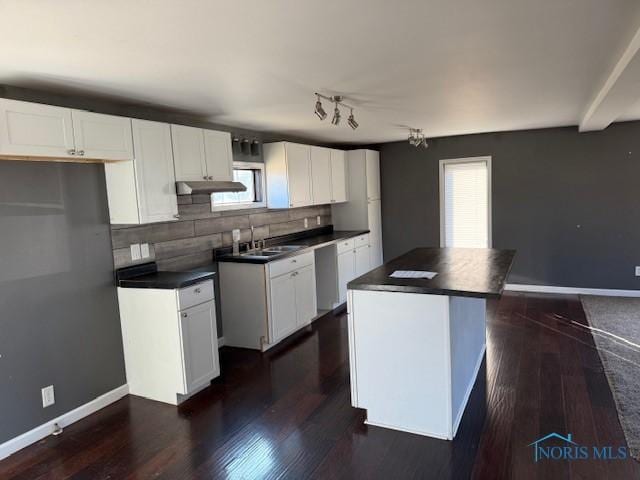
620, 91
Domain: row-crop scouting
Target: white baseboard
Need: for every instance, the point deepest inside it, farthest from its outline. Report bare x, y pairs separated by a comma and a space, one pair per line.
220, 342
467, 394
605, 292
32, 436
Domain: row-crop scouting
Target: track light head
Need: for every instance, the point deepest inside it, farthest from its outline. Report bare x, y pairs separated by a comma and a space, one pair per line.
352, 121
336, 115
320, 112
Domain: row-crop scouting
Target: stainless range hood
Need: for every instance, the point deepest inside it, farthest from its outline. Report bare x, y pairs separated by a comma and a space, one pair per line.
211, 186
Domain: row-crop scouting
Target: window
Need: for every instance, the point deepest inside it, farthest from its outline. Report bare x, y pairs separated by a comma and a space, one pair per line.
465, 202
252, 176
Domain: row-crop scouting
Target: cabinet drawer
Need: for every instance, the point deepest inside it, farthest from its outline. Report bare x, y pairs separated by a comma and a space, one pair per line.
345, 245
290, 264
361, 241
195, 294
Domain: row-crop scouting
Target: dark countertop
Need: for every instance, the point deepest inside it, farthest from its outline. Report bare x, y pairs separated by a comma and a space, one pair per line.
314, 241
463, 272
147, 276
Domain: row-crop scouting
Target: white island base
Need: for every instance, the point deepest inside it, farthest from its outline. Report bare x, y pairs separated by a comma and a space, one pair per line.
414, 358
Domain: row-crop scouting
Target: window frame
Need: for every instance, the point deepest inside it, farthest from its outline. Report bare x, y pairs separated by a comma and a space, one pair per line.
260, 189
443, 163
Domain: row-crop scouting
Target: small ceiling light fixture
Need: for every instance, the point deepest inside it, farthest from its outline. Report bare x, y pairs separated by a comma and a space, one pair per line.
320, 112
352, 121
417, 138
337, 115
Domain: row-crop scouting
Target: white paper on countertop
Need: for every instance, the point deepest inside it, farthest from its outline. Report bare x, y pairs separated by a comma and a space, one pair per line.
413, 274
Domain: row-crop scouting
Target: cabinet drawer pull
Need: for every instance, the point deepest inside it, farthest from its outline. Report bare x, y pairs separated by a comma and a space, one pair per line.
294, 261
185, 315
72, 151
197, 290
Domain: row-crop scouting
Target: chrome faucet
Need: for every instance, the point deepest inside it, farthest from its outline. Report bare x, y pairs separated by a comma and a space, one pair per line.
253, 242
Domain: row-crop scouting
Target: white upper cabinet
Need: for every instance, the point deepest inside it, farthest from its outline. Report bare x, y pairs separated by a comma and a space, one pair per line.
218, 154
101, 136
300, 175
288, 172
373, 175
338, 176
298, 159
33, 129
155, 178
321, 175
201, 154
188, 153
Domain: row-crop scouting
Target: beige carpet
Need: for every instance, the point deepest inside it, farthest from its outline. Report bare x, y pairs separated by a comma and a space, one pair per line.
619, 348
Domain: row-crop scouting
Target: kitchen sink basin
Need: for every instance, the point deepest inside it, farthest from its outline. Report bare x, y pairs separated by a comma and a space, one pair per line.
260, 253
282, 248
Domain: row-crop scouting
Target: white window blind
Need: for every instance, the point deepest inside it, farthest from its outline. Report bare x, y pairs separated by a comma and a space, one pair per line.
466, 204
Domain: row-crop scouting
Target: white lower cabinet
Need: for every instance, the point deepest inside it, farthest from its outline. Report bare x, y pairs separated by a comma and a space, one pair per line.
169, 353
306, 303
199, 345
283, 306
352, 263
264, 303
346, 272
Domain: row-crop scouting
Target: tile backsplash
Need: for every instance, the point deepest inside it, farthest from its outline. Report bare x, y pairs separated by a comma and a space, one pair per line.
188, 243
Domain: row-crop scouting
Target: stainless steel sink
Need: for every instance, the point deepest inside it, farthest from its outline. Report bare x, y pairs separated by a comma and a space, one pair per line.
282, 248
260, 253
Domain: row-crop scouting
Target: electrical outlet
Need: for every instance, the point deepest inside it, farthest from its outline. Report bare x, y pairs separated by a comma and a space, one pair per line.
48, 396
144, 250
318, 220
136, 254
637, 271
306, 222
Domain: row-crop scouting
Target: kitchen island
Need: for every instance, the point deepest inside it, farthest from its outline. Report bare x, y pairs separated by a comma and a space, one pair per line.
416, 344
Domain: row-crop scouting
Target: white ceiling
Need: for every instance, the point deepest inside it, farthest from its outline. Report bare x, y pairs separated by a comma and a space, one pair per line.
450, 67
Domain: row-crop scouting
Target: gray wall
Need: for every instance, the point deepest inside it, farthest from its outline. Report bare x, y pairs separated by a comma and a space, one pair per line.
59, 321
568, 202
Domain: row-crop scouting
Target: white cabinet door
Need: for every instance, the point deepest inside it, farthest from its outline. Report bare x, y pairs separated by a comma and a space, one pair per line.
199, 345
375, 252
338, 176
363, 261
155, 178
188, 153
219, 158
105, 137
283, 306
374, 218
299, 174
321, 175
346, 272
373, 175
305, 285
32, 129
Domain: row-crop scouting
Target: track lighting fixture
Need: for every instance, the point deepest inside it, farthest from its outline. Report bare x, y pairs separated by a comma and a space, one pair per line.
319, 110
337, 115
417, 138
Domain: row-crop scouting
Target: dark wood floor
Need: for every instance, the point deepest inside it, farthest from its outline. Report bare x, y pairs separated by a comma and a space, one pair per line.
287, 414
